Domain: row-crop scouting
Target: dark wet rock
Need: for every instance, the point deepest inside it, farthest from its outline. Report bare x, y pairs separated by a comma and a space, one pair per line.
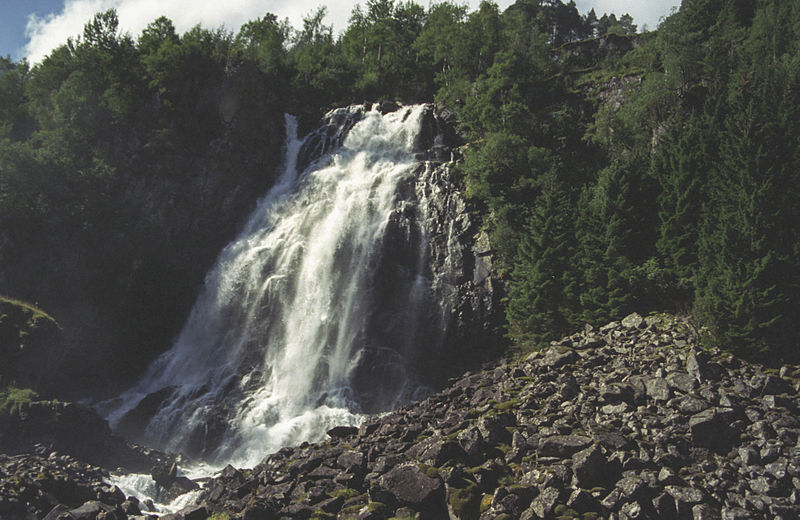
711, 428
411, 487
71, 429
685, 498
592, 469
342, 431
562, 446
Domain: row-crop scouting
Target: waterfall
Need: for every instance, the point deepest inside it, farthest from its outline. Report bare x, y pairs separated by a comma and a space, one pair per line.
320, 311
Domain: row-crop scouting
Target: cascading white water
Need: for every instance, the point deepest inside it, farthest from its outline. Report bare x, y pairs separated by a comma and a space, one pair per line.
288, 315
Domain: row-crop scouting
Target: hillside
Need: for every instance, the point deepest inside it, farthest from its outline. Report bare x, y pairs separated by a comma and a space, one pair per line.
610, 171
629, 420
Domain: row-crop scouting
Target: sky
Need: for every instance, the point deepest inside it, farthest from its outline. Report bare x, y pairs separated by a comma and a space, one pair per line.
32, 28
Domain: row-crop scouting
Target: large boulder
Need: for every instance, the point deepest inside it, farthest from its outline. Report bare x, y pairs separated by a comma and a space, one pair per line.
412, 487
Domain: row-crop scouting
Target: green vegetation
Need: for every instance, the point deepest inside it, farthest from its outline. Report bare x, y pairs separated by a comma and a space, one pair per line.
35, 314
465, 500
12, 399
345, 493
428, 470
18, 320
613, 171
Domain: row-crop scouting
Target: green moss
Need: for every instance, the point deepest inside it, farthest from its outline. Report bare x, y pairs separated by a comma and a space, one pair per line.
465, 500
453, 436
430, 471
372, 507
319, 514
506, 480
35, 313
377, 507
12, 399
345, 493
486, 503
473, 413
350, 510
562, 512
507, 405
219, 516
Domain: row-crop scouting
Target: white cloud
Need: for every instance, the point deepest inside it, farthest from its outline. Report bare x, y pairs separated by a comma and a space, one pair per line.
44, 34
53, 30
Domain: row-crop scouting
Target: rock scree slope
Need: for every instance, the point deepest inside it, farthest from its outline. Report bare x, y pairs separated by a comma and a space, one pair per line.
629, 420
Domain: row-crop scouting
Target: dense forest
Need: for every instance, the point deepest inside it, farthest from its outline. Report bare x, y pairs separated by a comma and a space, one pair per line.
615, 171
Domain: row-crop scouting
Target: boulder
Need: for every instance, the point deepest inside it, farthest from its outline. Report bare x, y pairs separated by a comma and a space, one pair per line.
632, 321
711, 429
562, 446
342, 432
592, 469
411, 487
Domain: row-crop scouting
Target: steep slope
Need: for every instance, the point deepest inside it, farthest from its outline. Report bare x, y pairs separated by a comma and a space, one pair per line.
631, 421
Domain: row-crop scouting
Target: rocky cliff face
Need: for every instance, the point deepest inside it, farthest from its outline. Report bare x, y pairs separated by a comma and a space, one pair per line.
631, 420
460, 257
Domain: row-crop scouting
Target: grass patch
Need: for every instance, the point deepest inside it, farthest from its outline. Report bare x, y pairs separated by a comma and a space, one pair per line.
465, 500
35, 313
429, 471
507, 405
345, 493
486, 503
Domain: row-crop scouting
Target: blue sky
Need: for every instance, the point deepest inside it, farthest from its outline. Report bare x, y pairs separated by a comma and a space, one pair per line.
31, 28
13, 18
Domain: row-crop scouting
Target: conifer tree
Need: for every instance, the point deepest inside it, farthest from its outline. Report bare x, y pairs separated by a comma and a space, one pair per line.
605, 234
745, 281
680, 166
540, 303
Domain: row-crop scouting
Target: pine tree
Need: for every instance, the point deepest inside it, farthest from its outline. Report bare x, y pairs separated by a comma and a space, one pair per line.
539, 306
605, 225
680, 166
745, 282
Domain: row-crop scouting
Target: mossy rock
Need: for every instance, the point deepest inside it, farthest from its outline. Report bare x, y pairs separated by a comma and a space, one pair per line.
486, 503
465, 502
563, 512
472, 413
411, 516
345, 493
507, 480
429, 471
350, 511
507, 405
